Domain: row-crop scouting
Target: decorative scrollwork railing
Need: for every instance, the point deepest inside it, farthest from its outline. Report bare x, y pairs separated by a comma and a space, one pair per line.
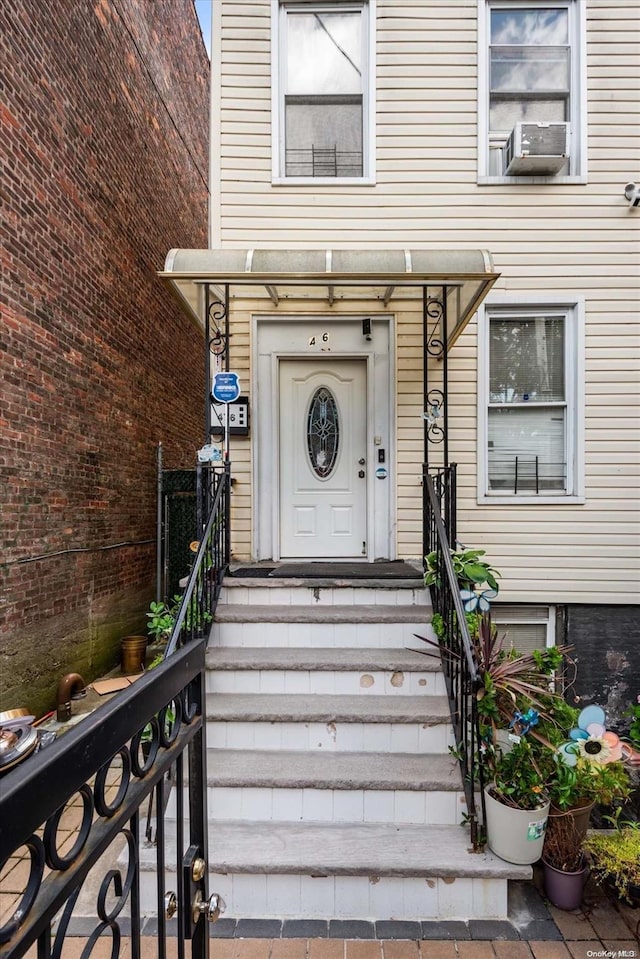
102, 768
125, 756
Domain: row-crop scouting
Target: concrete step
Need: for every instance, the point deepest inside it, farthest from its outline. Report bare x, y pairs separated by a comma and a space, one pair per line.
291, 769
374, 723
323, 670
277, 613
366, 627
258, 707
283, 592
364, 871
334, 787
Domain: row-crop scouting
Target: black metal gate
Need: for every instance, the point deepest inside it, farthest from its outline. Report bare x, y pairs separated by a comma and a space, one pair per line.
179, 527
71, 815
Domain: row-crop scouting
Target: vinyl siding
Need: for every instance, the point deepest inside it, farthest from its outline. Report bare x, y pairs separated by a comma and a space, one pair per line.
578, 238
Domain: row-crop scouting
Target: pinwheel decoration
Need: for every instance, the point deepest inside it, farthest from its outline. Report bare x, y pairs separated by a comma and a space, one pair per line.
523, 722
591, 740
473, 600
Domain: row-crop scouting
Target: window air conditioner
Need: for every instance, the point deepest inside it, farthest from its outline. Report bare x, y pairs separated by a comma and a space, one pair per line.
536, 149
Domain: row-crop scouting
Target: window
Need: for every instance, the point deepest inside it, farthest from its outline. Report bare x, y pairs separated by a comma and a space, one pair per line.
526, 627
531, 72
323, 115
529, 422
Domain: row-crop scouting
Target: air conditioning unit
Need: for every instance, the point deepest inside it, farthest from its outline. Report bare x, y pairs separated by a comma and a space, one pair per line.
536, 149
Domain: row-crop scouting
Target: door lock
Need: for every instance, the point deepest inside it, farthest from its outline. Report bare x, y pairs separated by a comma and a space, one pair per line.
211, 908
361, 461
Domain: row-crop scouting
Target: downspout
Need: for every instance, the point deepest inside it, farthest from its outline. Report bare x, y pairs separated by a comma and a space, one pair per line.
159, 523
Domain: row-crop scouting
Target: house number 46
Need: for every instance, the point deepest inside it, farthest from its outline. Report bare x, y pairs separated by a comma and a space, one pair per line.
321, 338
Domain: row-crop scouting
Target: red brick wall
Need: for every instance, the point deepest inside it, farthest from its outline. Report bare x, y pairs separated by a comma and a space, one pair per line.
104, 138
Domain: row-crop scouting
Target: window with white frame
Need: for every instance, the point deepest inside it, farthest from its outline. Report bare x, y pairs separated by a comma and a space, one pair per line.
530, 415
531, 86
323, 90
526, 628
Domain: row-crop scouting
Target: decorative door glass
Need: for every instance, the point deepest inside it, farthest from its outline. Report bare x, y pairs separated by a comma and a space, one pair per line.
323, 432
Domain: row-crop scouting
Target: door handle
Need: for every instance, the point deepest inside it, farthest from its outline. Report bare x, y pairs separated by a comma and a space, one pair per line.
361, 474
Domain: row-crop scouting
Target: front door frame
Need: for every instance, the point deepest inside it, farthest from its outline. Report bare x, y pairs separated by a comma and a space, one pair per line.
347, 342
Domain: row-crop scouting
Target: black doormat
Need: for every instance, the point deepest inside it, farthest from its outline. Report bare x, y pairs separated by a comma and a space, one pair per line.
388, 570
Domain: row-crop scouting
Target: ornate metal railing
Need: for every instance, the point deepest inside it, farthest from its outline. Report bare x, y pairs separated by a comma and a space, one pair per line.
456, 648
70, 814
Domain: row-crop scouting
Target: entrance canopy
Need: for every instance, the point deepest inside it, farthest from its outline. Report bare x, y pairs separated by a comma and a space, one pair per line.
331, 276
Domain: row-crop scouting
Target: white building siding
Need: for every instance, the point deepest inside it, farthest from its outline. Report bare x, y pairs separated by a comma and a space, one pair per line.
579, 238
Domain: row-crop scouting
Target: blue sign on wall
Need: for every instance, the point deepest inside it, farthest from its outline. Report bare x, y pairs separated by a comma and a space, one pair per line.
226, 387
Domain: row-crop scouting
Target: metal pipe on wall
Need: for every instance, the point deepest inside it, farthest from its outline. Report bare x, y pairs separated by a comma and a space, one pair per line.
159, 524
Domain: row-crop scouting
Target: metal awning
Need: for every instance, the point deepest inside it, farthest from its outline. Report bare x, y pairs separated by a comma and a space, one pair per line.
332, 276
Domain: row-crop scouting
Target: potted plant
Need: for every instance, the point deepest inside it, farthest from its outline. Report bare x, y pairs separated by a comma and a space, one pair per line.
516, 803
565, 867
514, 693
615, 860
471, 570
589, 768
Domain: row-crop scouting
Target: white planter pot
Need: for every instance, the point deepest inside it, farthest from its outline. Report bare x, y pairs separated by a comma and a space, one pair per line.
516, 835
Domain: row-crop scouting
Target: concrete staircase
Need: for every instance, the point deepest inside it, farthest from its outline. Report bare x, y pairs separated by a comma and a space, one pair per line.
332, 793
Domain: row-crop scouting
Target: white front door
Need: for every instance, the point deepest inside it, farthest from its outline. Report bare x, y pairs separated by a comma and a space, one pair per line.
323, 444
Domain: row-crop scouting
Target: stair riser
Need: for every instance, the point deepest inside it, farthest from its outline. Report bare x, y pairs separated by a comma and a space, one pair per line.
253, 804
329, 682
319, 635
354, 737
322, 596
336, 805
347, 897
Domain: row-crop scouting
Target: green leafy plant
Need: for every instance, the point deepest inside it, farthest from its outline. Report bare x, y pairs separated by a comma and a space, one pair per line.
519, 776
572, 786
470, 569
161, 617
634, 731
615, 859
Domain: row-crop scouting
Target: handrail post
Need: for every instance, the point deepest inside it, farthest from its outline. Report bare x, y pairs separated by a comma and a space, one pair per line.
227, 515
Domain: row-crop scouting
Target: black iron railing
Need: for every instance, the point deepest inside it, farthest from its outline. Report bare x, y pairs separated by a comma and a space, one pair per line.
75, 807
456, 648
212, 559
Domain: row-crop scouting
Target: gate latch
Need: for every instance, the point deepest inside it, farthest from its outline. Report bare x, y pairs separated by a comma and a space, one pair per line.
194, 876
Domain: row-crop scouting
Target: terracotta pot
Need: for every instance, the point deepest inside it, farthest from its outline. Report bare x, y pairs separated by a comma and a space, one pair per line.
133, 654
578, 815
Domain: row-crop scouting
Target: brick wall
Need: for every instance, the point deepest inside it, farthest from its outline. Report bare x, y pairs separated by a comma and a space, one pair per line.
104, 128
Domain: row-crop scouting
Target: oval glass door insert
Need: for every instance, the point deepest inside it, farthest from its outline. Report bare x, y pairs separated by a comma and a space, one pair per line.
323, 432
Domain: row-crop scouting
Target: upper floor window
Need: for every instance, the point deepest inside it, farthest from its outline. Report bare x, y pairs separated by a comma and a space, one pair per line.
531, 110
323, 81
531, 417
